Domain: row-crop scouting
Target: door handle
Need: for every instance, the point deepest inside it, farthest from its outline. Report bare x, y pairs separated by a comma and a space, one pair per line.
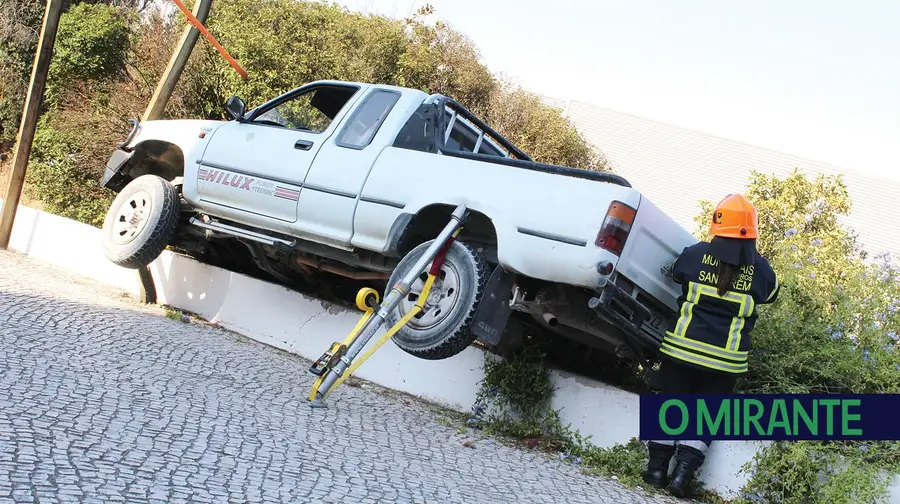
303, 144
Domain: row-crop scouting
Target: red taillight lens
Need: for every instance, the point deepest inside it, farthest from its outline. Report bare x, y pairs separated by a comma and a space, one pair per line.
616, 227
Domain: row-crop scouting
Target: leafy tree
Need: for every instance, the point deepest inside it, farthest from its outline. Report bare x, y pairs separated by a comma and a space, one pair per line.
92, 45
106, 65
541, 130
263, 36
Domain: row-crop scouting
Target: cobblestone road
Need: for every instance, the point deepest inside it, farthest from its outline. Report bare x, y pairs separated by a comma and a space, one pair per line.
105, 400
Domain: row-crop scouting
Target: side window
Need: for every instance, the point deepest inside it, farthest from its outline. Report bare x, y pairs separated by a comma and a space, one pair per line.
310, 111
367, 119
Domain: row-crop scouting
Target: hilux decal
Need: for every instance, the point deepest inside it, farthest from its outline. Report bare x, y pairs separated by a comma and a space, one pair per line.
225, 178
264, 187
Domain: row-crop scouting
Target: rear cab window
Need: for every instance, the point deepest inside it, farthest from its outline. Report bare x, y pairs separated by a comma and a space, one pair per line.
367, 119
464, 136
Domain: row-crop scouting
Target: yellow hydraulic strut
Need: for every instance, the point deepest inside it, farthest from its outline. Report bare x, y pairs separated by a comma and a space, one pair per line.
337, 364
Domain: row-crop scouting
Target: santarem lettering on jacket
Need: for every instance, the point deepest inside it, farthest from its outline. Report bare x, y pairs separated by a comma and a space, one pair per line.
743, 281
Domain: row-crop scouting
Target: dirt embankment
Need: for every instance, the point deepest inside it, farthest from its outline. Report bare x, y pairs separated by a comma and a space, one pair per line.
5, 172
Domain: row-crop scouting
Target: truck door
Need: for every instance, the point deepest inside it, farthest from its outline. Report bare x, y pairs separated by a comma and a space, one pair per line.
332, 188
258, 165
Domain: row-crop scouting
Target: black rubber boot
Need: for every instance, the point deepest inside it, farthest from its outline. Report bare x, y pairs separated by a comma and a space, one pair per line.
682, 476
687, 461
657, 470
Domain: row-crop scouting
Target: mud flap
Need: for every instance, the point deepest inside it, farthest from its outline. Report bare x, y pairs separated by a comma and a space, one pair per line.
493, 311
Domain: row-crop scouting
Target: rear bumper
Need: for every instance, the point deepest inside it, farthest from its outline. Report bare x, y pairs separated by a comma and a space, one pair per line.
617, 307
115, 176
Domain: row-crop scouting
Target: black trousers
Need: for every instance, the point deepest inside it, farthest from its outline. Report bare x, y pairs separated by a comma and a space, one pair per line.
678, 378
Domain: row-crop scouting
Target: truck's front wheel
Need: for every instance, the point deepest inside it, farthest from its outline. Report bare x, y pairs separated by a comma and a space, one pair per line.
140, 222
442, 330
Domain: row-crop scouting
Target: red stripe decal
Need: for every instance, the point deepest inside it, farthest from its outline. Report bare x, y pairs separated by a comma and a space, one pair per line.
284, 192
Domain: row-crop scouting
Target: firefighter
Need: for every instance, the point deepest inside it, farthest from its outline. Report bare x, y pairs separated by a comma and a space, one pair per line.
705, 350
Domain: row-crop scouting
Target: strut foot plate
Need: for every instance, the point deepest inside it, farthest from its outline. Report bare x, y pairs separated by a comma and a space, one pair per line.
318, 403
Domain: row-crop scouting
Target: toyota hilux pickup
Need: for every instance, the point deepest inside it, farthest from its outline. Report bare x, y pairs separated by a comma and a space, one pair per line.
356, 179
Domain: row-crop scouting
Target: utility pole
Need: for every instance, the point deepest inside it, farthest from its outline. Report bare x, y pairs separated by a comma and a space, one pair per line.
176, 65
30, 114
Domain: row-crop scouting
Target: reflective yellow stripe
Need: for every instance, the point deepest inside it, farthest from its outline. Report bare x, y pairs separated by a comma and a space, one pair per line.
737, 323
774, 291
687, 310
704, 361
701, 346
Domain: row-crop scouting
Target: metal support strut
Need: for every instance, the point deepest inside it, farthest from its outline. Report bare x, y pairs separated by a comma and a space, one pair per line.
337, 364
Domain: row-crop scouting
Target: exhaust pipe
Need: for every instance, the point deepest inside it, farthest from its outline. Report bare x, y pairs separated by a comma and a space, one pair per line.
344, 272
550, 319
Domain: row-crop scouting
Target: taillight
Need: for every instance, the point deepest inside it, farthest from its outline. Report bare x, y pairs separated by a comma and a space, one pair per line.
616, 227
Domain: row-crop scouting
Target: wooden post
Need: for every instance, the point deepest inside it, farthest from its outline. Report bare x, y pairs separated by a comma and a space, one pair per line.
176, 64
30, 114
157, 106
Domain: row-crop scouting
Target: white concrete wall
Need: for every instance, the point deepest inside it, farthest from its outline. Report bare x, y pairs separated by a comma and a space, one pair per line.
306, 326
69, 244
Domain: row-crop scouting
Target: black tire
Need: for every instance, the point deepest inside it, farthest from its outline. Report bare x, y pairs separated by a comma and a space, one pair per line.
139, 244
438, 335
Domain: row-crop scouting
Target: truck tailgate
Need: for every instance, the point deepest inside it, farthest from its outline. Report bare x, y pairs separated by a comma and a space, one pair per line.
655, 240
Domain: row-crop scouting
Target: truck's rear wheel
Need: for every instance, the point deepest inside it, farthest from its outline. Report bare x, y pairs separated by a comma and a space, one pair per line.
442, 330
140, 222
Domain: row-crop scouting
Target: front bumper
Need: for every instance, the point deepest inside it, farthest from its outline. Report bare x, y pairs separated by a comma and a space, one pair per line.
116, 176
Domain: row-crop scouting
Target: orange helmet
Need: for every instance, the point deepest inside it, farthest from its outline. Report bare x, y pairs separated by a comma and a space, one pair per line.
734, 217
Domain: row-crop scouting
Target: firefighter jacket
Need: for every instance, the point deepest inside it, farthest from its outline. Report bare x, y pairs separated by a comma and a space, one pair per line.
713, 331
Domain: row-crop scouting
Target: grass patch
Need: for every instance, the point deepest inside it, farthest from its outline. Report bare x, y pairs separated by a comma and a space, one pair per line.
176, 314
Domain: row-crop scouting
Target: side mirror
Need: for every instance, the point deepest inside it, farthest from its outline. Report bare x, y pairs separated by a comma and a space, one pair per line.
236, 108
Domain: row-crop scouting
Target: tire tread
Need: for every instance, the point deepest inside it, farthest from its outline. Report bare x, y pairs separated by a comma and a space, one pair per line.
164, 228
462, 337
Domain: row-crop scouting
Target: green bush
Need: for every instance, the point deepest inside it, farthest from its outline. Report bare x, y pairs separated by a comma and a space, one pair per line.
791, 473
62, 179
514, 401
514, 397
92, 45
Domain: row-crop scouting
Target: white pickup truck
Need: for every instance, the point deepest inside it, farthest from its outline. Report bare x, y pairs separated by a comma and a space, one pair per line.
354, 179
